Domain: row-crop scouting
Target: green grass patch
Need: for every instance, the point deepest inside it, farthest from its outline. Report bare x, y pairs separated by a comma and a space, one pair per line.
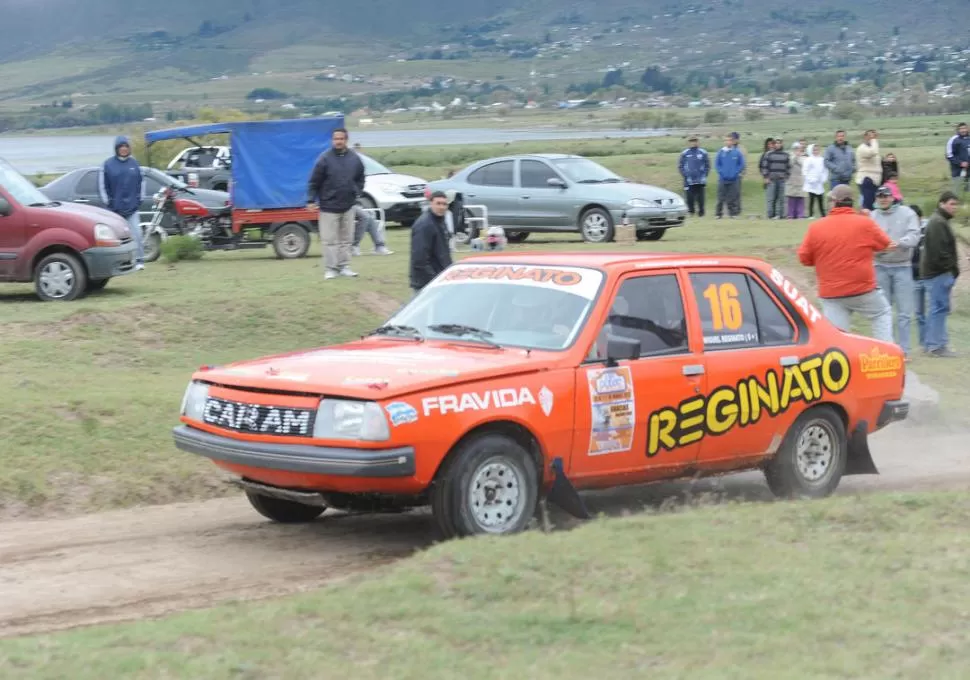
863, 587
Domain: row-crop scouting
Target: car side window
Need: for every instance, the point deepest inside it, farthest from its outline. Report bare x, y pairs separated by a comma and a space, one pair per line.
88, 184
500, 174
649, 309
535, 175
736, 312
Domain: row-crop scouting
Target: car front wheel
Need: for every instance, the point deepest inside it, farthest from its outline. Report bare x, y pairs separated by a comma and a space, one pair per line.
60, 276
812, 457
596, 226
489, 486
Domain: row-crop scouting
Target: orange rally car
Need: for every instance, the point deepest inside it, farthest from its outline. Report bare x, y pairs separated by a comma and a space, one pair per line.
514, 377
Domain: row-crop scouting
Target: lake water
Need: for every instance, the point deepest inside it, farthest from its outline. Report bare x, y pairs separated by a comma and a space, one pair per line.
60, 153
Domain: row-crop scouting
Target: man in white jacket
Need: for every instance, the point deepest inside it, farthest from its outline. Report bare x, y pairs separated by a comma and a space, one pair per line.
894, 268
869, 168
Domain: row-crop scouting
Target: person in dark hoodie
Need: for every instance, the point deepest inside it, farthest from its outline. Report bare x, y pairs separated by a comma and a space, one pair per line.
939, 268
335, 184
430, 251
120, 185
695, 166
958, 156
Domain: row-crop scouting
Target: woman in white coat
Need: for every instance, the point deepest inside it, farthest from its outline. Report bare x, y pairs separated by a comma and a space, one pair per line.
815, 174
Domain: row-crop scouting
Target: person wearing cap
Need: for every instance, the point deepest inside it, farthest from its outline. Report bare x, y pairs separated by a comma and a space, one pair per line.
840, 247
894, 271
730, 165
775, 168
695, 166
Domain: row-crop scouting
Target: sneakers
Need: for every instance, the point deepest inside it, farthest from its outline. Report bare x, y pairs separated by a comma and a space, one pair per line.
139, 266
355, 251
347, 271
382, 250
330, 274
943, 353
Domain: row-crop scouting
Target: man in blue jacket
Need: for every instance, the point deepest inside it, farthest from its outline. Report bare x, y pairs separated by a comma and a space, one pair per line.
729, 164
958, 155
334, 187
120, 183
695, 166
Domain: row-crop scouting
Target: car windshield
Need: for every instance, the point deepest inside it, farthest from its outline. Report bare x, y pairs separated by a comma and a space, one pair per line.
164, 179
372, 167
585, 171
19, 187
533, 307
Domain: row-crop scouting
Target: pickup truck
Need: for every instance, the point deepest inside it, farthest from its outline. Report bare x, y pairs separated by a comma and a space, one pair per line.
206, 167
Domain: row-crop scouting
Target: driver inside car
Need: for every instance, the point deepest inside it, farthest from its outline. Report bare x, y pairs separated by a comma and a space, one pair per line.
619, 309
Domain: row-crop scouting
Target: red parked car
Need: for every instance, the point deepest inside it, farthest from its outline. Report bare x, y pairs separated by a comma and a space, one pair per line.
66, 249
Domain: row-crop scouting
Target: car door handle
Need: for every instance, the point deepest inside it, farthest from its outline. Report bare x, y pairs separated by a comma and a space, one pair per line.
470, 195
789, 361
526, 197
81, 200
693, 369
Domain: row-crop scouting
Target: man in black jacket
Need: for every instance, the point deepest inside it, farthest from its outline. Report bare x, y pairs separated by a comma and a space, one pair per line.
430, 254
939, 269
335, 184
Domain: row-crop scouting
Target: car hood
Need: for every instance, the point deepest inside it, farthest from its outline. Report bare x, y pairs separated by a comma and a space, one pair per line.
91, 215
626, 191
377, 368
397, 179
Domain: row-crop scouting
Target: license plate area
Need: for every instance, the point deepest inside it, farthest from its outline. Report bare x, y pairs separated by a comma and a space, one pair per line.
280, 421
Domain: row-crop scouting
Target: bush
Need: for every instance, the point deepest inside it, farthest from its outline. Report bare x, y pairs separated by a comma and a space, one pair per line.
715, 116
751, 115
177, 248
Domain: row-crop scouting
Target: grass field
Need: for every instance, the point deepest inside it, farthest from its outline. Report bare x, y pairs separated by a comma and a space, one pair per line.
96, 383
870, 587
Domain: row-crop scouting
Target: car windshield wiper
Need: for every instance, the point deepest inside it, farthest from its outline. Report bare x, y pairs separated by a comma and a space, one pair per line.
589, 181
611, 180
393, 329
44, 204
460, 329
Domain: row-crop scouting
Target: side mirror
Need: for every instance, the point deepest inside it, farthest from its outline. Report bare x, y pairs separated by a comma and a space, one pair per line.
5, 207
556, 182
619, 349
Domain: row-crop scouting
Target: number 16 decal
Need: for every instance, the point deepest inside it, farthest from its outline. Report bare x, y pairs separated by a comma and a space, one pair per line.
725, 308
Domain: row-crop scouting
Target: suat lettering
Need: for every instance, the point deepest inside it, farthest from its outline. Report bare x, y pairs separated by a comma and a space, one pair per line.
878, 364
537, 274
791, 292
747, 402
478, 401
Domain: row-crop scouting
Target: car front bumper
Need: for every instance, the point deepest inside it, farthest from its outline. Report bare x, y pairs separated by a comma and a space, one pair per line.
320, 460
652, 218
108, 262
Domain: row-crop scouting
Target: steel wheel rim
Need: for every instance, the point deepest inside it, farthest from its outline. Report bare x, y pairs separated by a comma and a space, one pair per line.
496, 497
57, 279
815, 452
291, 244
595, 227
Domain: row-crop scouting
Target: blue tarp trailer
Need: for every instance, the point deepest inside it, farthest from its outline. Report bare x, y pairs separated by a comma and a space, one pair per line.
271, 165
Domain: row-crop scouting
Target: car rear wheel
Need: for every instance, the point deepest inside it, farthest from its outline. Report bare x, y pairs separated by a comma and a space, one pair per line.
812, 457
596, 226
283, 511
60, 276
291, 241
516, 236
489, 486
651, 235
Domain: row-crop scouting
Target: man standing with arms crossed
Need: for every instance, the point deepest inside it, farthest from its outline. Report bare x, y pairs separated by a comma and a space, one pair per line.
120, 184
894, 268
729, 164
841, 248
695, 165
336, 182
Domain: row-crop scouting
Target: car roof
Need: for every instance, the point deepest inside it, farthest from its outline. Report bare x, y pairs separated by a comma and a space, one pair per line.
615, 260
520, 156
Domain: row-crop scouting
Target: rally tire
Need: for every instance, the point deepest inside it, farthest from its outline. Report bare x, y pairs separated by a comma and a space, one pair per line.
596, 226
60, 277
153, 247
488, 486
812, 458
283, 511
291, 241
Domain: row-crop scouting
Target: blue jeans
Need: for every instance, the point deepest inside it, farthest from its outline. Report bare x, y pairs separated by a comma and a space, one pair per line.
836, 182
920, 291
775, 198
872, 305
940, 289
134, 226
896, 282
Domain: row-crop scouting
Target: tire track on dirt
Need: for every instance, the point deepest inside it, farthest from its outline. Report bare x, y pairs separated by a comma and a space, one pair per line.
152, 561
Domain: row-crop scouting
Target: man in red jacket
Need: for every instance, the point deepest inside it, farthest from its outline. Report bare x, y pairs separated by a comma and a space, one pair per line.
841, 248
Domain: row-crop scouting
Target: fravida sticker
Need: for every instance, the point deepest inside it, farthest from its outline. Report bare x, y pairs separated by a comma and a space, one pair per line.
546, 400
478, 401
613, 410
401, 413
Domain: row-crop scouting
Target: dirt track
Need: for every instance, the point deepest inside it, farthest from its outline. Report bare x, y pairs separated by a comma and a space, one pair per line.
151, 561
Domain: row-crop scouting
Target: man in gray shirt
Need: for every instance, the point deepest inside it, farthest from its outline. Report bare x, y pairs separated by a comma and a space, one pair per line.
840, 160
894, 268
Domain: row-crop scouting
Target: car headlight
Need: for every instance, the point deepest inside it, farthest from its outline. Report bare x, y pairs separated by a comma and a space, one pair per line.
345, 419
105, 236
639, 203
193, 403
